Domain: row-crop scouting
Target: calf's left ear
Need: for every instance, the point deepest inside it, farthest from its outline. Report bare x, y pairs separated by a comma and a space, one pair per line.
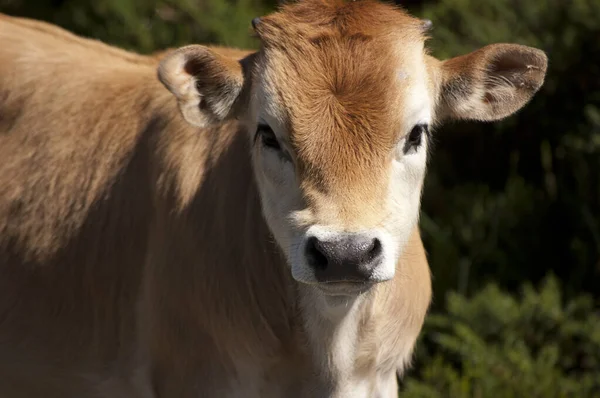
490, 83
206, 84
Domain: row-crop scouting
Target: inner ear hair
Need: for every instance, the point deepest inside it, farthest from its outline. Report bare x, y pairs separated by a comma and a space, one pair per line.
207, 85
492, 82
522, 67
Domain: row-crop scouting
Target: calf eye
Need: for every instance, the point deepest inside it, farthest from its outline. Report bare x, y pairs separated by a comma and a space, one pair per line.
415, 137
267, 137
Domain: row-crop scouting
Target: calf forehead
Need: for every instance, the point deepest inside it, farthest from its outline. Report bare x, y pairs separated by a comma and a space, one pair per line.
338, 79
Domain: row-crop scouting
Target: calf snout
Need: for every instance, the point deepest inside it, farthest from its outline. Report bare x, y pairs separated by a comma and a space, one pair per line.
345, 258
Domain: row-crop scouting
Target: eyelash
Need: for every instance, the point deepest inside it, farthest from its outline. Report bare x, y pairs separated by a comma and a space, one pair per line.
414, 139
267, 137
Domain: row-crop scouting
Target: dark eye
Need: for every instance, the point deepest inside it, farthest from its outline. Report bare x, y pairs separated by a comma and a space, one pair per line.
267, 137
415, 137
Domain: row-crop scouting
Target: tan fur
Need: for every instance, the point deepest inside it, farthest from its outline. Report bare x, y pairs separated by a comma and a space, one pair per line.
135, 260
340, 62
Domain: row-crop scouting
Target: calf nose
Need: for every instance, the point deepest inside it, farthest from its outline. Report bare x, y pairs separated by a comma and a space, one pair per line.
350, 258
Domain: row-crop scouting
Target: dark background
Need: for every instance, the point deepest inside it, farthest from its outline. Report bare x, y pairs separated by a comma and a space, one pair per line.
511, 216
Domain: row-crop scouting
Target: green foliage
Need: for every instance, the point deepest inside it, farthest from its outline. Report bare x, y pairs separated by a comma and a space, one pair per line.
500, 346
149, 25
511, 200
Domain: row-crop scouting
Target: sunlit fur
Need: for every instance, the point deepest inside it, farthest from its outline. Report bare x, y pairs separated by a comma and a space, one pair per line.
329, 83
135, 260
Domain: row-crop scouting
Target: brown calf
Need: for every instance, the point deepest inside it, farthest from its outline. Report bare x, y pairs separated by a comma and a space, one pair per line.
255, 236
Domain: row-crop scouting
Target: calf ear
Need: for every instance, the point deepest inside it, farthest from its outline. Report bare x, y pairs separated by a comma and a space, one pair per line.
207, 85
492, 82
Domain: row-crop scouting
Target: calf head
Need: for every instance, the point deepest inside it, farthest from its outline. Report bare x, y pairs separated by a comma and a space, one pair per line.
339, 104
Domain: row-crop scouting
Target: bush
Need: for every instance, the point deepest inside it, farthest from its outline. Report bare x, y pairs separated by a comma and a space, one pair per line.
149, 25
511, 200
500, 346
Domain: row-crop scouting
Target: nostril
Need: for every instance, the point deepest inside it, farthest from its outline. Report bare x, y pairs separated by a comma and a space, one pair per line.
315, 256
375, 249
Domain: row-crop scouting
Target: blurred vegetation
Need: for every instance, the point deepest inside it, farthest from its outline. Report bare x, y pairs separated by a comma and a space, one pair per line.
512, 200
505, 203
149, 25
501, 346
